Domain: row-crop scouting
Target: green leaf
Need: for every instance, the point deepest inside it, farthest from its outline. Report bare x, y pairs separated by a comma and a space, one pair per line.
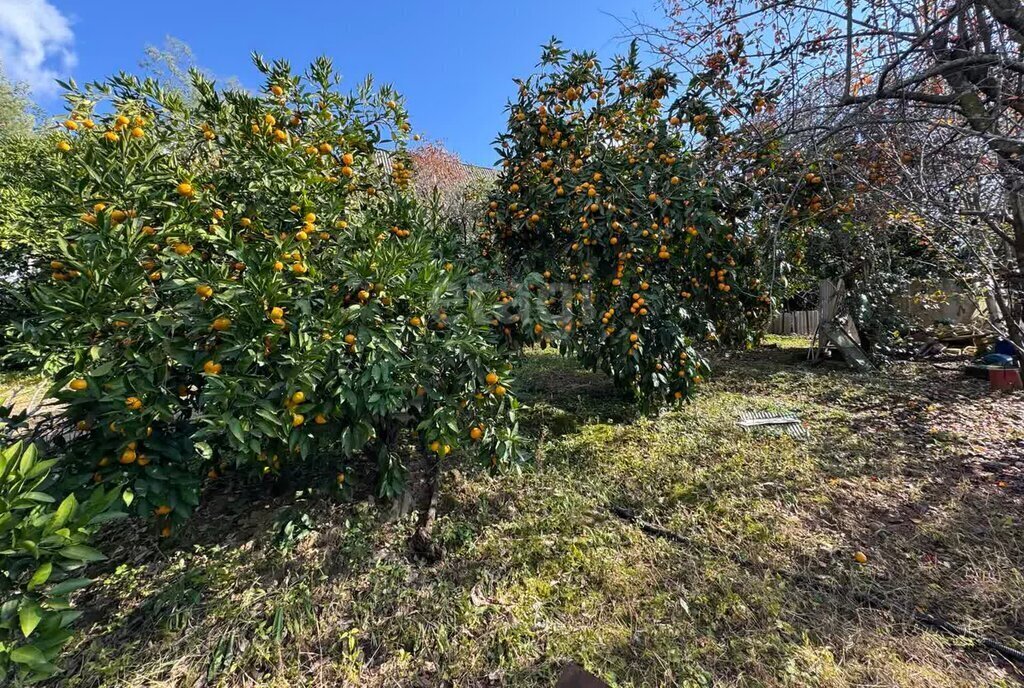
82, 553
64, 511
69, 617
41, 497
28, 654
204, 450
103, 369
7, 457
268, 415
236, 430
70, 585
29, 617
39, 470
41, 575
27, 459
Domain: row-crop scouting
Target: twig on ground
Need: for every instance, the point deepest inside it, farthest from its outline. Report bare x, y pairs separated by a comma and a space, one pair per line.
651, 529
948, 628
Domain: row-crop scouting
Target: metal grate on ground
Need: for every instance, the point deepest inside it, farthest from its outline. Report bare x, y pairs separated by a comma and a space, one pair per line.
773, 423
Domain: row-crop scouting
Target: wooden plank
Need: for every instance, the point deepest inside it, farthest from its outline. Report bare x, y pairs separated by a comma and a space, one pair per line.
829, 296
851, 352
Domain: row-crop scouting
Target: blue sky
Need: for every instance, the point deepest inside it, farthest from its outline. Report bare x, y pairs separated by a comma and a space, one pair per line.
453, 60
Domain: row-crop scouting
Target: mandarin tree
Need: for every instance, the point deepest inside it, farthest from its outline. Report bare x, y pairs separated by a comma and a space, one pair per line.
244, 286
602, 193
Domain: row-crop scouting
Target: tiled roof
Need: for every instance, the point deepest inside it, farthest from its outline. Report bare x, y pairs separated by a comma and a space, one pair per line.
383, 158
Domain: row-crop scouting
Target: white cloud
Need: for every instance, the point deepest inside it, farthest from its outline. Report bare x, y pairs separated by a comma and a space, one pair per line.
36, 44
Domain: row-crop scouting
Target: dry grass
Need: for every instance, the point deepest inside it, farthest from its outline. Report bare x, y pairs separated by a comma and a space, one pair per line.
909, 468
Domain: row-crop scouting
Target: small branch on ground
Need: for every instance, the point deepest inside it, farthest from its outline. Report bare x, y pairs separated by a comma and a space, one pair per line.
939, 624
651, 529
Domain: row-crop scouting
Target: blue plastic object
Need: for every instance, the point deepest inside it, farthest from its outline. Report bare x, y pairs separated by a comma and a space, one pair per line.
1006, 348
997, 360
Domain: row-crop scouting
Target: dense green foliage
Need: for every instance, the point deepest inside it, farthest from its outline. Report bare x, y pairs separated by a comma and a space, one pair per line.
43, 547
25, 231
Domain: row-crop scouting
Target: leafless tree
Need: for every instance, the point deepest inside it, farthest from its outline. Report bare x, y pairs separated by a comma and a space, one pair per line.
918, 105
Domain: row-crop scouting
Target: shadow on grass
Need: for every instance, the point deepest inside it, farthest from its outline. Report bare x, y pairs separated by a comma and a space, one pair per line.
560, 396
231, 589
537, 570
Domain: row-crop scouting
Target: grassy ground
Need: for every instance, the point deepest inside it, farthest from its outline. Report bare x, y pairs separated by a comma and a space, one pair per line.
920, 469
20, 391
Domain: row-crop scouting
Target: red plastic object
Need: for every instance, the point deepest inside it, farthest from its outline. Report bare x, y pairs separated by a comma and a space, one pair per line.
1006, 379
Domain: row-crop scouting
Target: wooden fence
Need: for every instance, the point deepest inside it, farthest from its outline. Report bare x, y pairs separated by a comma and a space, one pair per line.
795, 322
945, 302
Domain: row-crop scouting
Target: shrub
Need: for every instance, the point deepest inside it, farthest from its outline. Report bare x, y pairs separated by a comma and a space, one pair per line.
244, 286
24, 229
44, 547
646, 241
